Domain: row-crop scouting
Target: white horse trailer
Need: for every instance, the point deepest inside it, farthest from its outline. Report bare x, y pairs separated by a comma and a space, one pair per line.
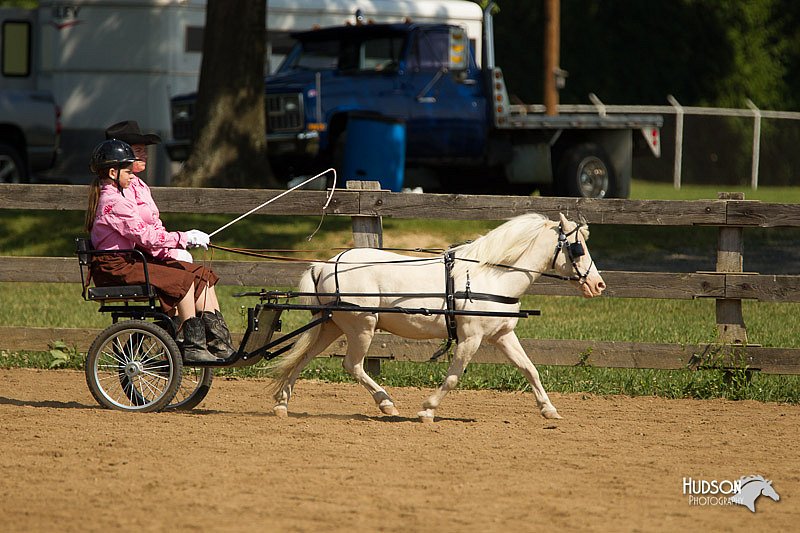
112, 60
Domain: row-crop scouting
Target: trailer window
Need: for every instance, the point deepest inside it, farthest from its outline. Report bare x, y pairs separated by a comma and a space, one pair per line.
16, 48
194, 39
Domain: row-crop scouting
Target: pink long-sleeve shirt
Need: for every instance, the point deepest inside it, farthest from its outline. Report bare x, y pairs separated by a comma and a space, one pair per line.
118, 225
150, 214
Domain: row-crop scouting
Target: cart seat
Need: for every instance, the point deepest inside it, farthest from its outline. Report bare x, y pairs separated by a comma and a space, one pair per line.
122, 292
118, 293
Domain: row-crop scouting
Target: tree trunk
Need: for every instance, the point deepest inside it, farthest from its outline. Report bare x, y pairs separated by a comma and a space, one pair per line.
229, 145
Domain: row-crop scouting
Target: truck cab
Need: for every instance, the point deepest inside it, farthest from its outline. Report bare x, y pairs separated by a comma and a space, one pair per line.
396, 70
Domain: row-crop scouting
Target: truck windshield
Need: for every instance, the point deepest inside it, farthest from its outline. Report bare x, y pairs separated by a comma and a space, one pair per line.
377, 54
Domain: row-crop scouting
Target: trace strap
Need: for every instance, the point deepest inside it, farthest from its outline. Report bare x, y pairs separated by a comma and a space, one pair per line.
450, 305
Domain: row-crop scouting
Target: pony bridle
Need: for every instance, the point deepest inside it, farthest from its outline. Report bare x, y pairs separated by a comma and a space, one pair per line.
573, 250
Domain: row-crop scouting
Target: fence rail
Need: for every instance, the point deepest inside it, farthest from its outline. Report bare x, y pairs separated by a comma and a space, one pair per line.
728, 285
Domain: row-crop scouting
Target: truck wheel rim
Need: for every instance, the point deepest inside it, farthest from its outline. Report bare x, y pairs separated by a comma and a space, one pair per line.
8, 170
593, 178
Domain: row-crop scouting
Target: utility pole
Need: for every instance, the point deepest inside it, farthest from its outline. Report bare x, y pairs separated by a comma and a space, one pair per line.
552, 39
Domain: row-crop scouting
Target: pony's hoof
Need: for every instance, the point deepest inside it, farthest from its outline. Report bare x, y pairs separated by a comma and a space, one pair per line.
280, 411
389, 410
551, 414
426, 417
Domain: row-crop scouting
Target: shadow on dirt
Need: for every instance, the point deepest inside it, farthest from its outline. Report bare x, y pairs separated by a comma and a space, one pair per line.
48, 404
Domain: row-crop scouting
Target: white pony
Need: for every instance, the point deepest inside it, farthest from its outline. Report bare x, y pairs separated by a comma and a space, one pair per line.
503, 262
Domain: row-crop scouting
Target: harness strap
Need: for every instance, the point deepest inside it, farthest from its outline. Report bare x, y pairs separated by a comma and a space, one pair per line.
486, 297
458, 295
449, 299
336, 277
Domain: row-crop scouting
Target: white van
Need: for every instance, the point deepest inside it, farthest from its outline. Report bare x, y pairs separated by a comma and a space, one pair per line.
112, 60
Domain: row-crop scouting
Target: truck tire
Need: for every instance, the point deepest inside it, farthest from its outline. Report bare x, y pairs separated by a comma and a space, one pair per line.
585, 171
12, 166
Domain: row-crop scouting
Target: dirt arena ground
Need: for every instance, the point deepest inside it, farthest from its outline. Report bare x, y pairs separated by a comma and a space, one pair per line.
490, 463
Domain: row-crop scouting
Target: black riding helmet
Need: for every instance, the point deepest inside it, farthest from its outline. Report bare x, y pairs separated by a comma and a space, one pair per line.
111, 153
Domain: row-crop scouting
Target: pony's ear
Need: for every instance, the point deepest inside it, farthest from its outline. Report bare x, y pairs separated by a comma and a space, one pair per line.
564, 221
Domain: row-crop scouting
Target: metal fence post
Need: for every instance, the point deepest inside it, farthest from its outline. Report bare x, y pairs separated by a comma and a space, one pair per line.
756, 143
676, 172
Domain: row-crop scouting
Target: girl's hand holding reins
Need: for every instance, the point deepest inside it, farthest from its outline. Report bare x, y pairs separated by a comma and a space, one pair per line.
195, 237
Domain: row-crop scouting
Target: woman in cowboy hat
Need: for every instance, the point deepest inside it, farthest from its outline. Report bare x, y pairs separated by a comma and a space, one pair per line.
128, 131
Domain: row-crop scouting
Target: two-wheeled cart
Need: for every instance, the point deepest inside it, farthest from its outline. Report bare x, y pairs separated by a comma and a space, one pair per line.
135, 364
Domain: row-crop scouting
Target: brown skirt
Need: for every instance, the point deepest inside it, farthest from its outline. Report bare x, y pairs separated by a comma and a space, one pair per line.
171, 278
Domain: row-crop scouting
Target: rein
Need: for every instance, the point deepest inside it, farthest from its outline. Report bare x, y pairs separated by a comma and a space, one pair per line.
573, 250
254, 253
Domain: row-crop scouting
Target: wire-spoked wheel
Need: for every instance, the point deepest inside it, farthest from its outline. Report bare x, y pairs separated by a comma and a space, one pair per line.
195, 384
134, 366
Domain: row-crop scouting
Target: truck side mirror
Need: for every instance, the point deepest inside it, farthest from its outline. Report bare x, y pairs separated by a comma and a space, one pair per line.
458, 50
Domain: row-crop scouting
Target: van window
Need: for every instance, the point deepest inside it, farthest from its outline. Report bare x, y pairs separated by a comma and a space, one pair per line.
16, 48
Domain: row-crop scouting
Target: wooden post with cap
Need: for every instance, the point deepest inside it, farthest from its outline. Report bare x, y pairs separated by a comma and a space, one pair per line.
730, 244
367, 233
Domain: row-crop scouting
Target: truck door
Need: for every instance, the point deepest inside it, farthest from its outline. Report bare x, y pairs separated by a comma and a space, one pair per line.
448, 114
371, 66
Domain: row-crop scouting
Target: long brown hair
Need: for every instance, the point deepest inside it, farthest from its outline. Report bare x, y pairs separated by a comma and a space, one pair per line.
94, 198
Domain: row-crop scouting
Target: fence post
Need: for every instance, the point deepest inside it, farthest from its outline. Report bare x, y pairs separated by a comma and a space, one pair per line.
367, 233
678, 164
730, 322
367, 230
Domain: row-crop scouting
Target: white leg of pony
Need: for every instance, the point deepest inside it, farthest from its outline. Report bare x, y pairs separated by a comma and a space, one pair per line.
510, 345
328, 333
461, 358
357, 346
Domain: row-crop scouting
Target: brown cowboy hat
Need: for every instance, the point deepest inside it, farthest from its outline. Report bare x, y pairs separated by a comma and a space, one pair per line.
128, 131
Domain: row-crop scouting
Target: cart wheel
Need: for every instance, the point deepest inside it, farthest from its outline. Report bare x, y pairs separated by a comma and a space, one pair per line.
134, 366
195, 384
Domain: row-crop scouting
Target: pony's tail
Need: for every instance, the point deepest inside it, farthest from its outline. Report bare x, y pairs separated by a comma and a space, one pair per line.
283, 367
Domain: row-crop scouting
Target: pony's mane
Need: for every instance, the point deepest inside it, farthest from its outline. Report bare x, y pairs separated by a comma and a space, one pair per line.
745, 480
503, 245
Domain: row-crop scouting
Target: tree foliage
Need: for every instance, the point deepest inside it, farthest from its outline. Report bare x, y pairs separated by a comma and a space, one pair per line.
704, 52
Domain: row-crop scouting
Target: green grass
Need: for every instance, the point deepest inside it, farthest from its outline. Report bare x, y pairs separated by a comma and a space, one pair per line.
650, 190
669, 321
563, 317
43, 233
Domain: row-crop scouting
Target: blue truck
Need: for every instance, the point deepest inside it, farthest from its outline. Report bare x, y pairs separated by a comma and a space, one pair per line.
461, 132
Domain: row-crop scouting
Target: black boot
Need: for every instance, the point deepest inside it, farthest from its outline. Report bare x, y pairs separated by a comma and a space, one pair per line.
218, 335
194, 342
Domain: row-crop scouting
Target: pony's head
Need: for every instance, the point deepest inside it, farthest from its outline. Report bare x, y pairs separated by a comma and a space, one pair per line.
573, 260
764, 486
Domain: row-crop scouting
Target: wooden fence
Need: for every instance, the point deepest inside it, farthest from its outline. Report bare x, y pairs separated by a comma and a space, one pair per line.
728, 285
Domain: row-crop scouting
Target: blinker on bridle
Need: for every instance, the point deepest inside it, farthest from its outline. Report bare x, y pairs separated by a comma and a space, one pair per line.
573, 250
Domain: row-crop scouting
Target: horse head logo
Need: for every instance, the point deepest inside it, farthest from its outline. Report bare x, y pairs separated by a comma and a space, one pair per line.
751, 488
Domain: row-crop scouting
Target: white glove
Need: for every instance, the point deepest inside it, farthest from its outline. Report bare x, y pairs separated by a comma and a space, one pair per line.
195, 237
182, 255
